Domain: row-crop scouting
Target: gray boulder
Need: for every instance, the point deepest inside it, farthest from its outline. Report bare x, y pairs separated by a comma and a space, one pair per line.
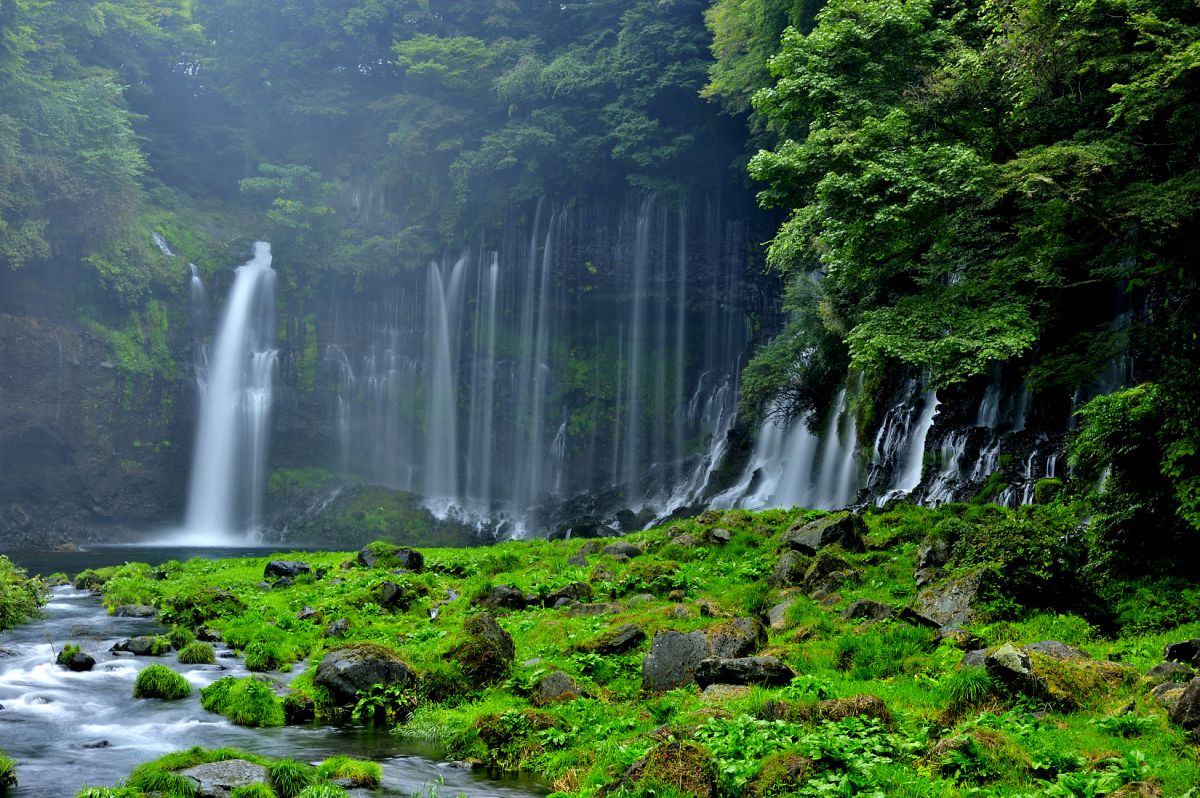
135, 611
789, 570
621, 549
554, 687
1011, 667
763, 671
141, 646
866, 609
337, 628
80, 662
346, 671
777, 615
218, 779
951, 604
674, 657
393, 597
1055, 650
502, 597
618, 641
1186, 710
1170, 672
290, 569
673, 660
591, 610
576, 591
827, 572
844, 529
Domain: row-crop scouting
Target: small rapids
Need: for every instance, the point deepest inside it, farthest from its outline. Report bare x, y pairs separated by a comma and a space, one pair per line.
69, 730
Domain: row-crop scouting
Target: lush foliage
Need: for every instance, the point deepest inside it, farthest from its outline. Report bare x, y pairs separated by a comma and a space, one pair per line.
880, 707
20, 594
246, 702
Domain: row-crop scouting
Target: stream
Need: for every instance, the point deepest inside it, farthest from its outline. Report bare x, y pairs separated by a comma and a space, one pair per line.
70, 730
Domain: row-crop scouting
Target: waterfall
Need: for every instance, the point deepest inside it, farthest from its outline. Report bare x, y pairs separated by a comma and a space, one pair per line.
229, 464
441, 432
634, 407
908, 449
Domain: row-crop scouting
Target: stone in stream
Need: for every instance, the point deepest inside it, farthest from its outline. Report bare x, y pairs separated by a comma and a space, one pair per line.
141, 646
218, 779
286, 568
80, 662
135, 611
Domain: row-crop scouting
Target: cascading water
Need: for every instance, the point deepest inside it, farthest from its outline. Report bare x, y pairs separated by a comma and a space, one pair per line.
229, 463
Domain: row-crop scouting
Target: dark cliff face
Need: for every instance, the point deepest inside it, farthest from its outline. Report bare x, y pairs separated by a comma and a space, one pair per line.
88, 452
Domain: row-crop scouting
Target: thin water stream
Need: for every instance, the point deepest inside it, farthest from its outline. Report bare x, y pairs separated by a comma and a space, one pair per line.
69, 730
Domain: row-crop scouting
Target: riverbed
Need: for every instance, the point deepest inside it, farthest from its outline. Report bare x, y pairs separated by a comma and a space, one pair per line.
70, 730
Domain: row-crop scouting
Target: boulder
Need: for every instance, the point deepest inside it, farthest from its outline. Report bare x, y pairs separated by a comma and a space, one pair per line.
777, 615
135, 611
381, 555
763, 671
488, 652
617, 641
621, 549
1186, 651
141, 646
393, 597
346, 671
789, 570
932, 554
674, 657
1013, 668
218, 779
738, 638
720, 693
866, 609
1168, 694
554, 687
291, 569
826, 572
306, 614
576, 591
1186, 710
502, 597
951, 604
578, 560
80, 662
1170, 672
1055, 650
338, 628
720, 536
207, 634
685, 541
843, 529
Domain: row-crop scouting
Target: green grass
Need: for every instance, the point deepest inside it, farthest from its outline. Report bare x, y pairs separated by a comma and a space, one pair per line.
359, 772
8, 772
246, 702
197, 654
21, 596
290, 778
584, 745
159, 681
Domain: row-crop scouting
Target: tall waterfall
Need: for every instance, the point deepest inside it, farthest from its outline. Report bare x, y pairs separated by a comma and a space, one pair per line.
229, 463
592, 350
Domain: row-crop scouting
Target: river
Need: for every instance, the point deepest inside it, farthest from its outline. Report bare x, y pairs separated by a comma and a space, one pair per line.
70, 730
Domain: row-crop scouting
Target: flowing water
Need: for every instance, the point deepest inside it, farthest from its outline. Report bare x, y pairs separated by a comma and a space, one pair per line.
230, 459
68, 730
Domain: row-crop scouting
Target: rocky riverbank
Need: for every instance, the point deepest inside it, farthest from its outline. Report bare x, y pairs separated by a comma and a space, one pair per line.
910, 652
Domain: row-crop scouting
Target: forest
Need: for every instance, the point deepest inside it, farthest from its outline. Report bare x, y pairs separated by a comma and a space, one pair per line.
723, 397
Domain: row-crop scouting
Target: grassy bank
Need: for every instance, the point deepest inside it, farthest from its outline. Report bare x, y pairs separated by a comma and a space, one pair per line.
882, 697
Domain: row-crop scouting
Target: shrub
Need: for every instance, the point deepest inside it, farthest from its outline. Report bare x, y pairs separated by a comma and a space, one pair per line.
180, 637
246, 702
289, 778
159, 681
261, 656
197, 654
8, 772
20, 595
359, 772
152, 778
968, 687
109, 792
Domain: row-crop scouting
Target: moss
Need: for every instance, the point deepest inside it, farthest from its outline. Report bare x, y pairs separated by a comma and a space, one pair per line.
159, 681
252, 791
68, 651
684, 767
782, 774
1077, 683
